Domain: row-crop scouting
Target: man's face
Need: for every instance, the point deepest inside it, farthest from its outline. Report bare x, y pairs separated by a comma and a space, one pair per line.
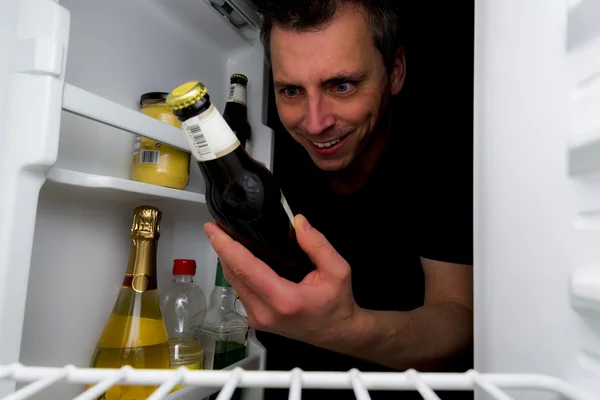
331, 87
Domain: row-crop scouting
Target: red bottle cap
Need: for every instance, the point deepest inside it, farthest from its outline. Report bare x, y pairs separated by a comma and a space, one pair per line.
184, 267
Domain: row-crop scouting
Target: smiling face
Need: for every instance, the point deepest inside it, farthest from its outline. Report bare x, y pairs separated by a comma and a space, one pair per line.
332, 86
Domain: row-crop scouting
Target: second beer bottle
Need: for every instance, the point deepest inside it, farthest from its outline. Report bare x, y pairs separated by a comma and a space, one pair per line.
236, 110
241, 193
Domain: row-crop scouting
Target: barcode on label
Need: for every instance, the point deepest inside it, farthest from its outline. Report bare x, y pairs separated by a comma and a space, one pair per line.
199, 139
149, 157
231, 92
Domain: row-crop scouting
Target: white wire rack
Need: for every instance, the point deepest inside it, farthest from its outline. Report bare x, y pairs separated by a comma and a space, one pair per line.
296, 380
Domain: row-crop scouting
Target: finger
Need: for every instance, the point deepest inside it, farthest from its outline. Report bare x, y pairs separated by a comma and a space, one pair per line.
252, 303
257, 275
318, 248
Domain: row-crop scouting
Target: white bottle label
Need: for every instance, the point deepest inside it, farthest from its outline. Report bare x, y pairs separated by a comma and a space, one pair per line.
237, 94
287, 209
137, 145
209, 136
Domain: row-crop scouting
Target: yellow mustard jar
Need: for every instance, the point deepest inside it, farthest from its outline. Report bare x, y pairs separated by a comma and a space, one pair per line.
154, 162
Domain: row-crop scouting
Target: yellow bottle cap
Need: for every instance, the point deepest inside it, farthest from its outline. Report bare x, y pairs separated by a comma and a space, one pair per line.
186, 95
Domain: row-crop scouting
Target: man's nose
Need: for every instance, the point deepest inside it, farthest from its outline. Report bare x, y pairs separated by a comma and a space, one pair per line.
318, 117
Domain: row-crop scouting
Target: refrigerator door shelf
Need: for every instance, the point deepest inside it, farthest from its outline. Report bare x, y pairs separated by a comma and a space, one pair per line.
97, 108
584, 73
128, 192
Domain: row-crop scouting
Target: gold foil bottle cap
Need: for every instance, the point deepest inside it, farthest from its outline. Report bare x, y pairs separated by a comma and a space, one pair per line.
146, 222
186, 95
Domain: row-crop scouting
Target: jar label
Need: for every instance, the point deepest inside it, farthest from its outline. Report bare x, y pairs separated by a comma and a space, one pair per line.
137, 145
150, 157
237, 94
209, 136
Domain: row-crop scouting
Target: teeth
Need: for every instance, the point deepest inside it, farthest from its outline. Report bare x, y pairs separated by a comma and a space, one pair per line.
326, 144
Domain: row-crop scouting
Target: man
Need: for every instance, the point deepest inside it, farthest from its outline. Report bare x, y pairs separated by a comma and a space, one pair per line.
390, 237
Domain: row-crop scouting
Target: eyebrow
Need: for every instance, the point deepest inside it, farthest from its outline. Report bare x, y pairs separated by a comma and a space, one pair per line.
346, 75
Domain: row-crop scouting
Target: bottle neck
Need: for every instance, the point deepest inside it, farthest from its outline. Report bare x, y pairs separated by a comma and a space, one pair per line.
183, 278
141, 268
223, 298
209, 136
237, 95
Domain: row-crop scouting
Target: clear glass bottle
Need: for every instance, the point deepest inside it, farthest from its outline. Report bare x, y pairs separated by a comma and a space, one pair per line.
183, 307
224, 330
135, 333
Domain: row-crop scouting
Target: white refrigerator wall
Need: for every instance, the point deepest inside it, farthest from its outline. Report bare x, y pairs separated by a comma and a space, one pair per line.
537, 189
119, 50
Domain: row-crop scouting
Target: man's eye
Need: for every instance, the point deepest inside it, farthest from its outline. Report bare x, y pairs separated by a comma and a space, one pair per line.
344, 87
290, 92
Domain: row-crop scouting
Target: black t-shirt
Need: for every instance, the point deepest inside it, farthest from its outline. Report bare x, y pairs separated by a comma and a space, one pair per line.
408, 208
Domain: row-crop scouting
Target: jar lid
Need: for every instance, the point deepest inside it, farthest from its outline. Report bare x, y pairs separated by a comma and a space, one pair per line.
184, 267
153, 96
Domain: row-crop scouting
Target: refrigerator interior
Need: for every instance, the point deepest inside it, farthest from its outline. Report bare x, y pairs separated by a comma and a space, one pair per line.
116, 52
537, 140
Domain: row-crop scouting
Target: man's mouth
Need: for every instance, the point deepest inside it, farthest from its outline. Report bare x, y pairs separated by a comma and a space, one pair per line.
327, 144
329, 148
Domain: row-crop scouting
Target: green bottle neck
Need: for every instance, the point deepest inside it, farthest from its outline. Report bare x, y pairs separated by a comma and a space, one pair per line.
220, 280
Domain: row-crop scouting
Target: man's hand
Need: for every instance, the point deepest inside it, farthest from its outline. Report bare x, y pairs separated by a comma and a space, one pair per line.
320, 310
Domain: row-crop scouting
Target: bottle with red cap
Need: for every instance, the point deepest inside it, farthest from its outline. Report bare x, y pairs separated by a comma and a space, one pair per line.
183, 308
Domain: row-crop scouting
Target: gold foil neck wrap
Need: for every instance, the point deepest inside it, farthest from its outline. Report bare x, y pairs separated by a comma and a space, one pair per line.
146, 223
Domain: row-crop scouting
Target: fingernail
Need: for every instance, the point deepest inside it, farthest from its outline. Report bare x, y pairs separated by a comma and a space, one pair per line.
210, 229
304, 224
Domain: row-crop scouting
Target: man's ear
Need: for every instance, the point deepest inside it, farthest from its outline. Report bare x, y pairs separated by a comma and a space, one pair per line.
398, 75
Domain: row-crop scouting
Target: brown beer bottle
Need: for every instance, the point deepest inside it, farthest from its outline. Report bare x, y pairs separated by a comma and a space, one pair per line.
236, 111
241, 194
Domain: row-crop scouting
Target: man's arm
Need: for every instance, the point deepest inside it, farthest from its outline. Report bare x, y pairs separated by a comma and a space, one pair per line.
426, 337
321, 310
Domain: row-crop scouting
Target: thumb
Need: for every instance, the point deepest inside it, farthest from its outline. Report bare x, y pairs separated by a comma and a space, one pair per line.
318, 248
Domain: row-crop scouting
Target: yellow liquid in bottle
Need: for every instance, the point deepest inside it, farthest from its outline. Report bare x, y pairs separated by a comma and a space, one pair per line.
140, 342
186, 352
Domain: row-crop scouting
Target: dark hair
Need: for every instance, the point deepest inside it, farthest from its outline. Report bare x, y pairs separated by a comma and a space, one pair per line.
313, 15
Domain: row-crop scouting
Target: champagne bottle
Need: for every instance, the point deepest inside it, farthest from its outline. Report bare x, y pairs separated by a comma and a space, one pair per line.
241, 194
236, 111
135, 333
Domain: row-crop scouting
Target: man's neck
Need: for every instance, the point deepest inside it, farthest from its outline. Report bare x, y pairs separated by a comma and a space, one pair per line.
356, 175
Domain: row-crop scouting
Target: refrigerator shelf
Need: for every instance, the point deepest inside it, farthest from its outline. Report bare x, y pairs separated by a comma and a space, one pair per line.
88, 105
75, 183
492, 384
